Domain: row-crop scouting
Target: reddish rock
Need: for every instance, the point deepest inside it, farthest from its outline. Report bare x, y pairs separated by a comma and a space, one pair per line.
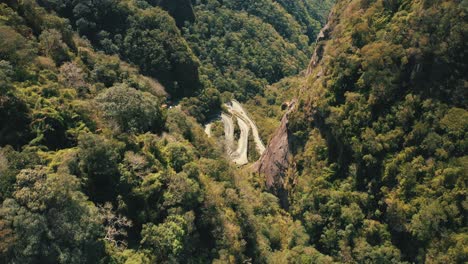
274, 162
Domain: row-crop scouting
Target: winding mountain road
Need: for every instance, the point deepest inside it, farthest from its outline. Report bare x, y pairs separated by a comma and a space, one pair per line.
239, 155
236, 106
228, 132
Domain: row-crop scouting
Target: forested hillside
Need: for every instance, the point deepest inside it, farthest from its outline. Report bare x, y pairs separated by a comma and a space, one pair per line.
95, 167
379, 135
233, 46
245, 45
103, 158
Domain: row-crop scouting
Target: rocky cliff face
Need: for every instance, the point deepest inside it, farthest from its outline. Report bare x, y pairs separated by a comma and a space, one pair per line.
275, 161
278, 157
323, 35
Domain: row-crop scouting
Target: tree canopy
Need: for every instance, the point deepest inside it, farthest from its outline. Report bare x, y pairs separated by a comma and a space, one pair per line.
103, 158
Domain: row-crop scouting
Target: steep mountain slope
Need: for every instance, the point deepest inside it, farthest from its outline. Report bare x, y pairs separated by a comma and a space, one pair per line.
95, 168
380, 153
138, 33
234, 46
245, 45
368, 166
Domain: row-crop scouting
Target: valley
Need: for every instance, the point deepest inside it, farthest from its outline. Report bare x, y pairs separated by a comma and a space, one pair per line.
229, 131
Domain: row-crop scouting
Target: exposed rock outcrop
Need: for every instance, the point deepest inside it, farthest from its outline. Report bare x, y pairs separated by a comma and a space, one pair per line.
275, 161
319, 47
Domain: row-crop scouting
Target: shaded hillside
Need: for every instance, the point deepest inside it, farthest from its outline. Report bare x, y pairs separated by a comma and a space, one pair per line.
140, 34
214, 46
244, 46
180, 10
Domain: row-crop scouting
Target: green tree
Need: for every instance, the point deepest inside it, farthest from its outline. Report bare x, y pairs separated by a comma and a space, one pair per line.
98, 163
130, 110
51, 220
14, 112
14, 47
155, 44
167, 239
179, 154
51, 45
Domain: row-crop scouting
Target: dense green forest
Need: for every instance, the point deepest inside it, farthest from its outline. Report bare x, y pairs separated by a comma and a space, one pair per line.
103, 158
245, 45
381, 129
